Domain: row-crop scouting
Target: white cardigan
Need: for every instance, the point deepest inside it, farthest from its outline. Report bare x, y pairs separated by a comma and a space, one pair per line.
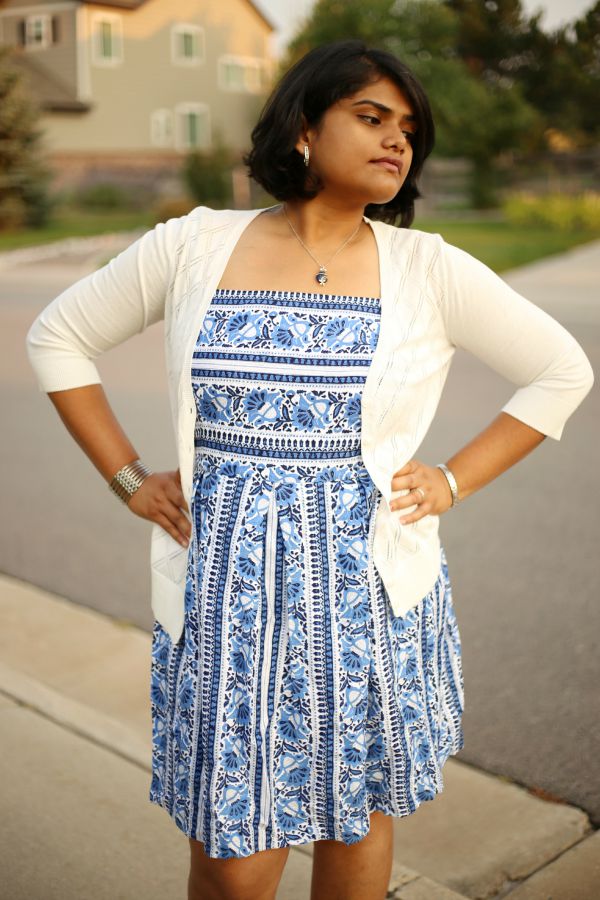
434, 298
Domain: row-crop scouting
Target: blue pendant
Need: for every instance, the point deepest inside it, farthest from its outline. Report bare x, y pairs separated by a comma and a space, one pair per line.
321, 276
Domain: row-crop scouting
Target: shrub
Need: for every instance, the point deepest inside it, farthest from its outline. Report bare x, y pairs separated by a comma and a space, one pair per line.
103, 195
13, 212
561, 212
207, 177
172, 208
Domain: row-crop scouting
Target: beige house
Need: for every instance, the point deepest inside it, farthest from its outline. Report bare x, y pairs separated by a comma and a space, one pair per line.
131, 85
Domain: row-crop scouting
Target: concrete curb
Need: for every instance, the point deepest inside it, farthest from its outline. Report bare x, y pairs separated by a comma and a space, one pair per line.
23, 607
77, 717
89, 674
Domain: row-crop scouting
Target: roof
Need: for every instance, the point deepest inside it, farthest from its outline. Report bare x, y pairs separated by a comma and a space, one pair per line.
48, 90
134, 4
122, 4
262, 14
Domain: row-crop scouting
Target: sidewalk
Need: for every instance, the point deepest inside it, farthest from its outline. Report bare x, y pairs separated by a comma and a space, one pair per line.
87, 252
76, 823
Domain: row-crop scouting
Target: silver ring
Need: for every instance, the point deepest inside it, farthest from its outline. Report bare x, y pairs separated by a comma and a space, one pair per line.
421, 492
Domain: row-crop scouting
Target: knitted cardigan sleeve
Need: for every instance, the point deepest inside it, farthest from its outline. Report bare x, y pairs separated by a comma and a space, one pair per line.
103, 309
516, 338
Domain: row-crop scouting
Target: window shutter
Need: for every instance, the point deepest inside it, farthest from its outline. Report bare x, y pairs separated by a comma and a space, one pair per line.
55, 29
21, 33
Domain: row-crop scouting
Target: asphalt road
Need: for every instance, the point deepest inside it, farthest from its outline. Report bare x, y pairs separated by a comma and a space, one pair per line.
523, 552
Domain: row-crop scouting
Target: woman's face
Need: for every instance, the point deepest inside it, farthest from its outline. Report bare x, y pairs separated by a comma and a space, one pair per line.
355, 135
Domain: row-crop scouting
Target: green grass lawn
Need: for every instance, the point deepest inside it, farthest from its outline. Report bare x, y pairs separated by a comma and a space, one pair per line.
497, 243
75, 224
501, 245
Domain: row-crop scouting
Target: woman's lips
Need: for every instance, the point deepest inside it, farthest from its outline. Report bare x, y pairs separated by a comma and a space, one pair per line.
390, 166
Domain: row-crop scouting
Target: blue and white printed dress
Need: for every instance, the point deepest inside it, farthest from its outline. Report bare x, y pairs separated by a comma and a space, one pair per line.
295, 703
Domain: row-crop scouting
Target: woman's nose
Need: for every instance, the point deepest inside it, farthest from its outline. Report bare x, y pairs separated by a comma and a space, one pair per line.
398, 145
398, 140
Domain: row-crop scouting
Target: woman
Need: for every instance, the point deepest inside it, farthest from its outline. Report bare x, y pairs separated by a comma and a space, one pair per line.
306, 673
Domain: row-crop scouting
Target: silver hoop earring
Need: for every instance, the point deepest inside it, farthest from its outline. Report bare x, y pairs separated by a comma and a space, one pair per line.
306, 155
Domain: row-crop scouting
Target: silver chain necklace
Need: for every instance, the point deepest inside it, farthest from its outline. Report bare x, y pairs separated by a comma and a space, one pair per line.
321, 276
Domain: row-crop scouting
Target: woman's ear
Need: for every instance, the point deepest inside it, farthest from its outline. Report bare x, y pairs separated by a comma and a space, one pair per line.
303, 137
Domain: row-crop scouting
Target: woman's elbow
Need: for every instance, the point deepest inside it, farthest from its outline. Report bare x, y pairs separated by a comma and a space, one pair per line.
34, 339
586, 374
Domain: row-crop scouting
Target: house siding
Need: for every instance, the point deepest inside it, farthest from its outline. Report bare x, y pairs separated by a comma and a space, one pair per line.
111, 138
59, 59
124, 96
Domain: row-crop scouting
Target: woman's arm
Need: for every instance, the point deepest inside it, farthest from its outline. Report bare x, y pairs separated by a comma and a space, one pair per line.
87, 415
103, 309
94, 314
494, 450
525, 345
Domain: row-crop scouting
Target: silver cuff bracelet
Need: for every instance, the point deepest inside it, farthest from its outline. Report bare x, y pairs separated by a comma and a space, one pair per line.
128, 479
451, 482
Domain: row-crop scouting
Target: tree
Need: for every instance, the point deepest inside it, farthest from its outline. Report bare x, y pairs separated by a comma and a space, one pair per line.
558, 73
476, 118
584, 48
494, 36
483, 120
24, 196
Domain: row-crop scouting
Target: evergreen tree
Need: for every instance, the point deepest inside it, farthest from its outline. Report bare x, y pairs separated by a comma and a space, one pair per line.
476, 118
557, 73
584, 50
494, 37
568, 87
24, 197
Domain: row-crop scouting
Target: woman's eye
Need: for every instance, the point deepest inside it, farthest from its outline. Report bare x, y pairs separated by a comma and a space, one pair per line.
372, 118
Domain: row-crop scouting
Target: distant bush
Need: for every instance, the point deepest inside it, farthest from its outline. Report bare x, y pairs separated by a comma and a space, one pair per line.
560, 212
172, 208
13, 213
103, 195
207, 177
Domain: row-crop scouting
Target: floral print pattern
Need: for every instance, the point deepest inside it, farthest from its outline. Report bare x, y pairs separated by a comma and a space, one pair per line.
295, 702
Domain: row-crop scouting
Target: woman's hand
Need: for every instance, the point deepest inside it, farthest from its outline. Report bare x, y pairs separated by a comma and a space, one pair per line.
160, 499
428, 488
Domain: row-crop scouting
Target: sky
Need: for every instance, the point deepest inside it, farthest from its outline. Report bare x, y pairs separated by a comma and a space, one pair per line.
286, 15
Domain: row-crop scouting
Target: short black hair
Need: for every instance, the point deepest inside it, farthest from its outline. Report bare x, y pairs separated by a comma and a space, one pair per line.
304, 93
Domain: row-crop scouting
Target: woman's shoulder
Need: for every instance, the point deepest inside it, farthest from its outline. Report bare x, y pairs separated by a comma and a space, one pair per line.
400, 234
198, 223
210, 215
417, 248
409, 246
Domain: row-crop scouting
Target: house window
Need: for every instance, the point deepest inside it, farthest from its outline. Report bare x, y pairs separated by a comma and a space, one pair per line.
187, 45
35, 32
193, 126
161, 128
107, 39
243, 73
38, 31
